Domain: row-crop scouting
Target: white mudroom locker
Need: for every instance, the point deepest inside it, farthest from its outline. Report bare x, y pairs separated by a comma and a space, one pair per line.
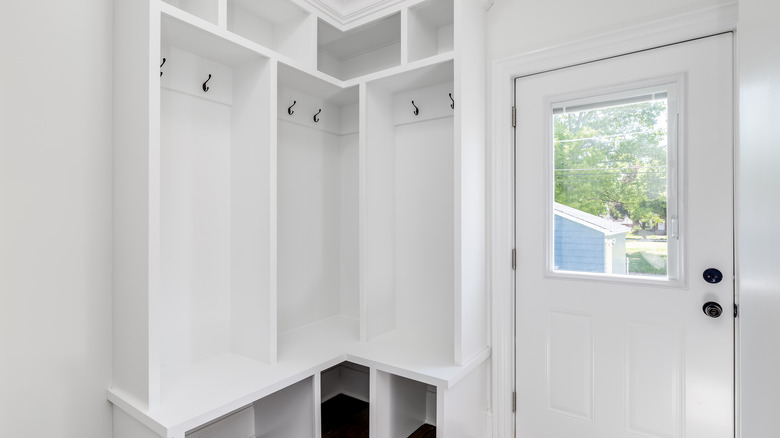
299, 204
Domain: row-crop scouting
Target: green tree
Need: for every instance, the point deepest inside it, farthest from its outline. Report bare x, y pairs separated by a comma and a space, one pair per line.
612, 160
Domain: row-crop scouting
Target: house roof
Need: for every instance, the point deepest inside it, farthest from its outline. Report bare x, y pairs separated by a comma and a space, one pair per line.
605, 226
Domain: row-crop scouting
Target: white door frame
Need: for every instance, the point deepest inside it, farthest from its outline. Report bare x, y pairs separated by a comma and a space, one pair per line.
501, 193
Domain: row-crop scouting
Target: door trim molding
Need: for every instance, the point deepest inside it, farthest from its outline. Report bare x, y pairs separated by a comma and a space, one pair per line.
671, 30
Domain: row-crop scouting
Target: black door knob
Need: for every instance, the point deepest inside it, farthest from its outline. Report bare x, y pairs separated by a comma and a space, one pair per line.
712, 309
712, 275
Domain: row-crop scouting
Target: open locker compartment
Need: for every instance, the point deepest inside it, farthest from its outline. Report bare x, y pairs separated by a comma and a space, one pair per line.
213, 193
318, 297
408, 215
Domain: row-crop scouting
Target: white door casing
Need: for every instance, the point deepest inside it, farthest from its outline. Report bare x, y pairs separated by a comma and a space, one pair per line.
610, 358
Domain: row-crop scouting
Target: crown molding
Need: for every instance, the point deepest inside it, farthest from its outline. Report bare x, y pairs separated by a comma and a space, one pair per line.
345, 13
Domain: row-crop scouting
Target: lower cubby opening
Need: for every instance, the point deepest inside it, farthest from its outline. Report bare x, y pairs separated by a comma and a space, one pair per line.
345, 401
405, 407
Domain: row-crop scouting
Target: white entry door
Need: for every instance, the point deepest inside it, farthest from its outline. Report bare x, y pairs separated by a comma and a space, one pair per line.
625, 271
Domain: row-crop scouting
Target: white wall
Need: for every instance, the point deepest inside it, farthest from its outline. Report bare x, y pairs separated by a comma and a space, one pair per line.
758, 205
519, 26
55, 221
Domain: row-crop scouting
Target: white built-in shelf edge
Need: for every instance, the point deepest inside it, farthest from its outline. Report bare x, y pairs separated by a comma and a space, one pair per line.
222, 384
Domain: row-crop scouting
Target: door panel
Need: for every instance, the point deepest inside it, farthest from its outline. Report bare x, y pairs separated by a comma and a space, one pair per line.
609, 354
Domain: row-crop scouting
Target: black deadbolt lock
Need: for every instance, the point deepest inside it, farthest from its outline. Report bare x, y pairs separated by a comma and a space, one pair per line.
712, 309
712, 275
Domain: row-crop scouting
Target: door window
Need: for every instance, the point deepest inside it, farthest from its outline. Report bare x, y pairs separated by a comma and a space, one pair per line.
613, 205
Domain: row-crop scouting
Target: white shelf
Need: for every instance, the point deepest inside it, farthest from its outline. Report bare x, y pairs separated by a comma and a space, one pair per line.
402, 352
324, 343
359, 51
219, 385
392, 72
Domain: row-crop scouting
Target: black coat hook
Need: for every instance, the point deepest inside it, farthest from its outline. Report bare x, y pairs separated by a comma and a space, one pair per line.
416, 110
452, 105
163, 63
289, 109
315, 116
205, 87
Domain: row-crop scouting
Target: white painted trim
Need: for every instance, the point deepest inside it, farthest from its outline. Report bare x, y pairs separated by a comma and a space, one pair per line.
671, 30
501, 154
349, 16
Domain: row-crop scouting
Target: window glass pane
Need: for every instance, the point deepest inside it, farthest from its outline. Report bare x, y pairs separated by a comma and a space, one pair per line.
610, 186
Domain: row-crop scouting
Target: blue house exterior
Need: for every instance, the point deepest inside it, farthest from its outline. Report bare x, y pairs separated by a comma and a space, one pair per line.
587, 243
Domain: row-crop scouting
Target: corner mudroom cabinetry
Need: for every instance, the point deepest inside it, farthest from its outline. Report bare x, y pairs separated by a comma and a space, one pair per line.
297, 198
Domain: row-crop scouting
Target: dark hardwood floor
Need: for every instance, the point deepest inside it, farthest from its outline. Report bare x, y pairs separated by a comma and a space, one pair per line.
346, 417
425, 431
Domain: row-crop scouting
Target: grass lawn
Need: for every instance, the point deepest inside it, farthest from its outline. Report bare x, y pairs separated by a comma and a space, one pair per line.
646, 256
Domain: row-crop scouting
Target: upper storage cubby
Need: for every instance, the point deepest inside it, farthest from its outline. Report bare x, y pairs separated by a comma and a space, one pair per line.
212, 197
204, 9
430, 29
361, 50
279, 25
